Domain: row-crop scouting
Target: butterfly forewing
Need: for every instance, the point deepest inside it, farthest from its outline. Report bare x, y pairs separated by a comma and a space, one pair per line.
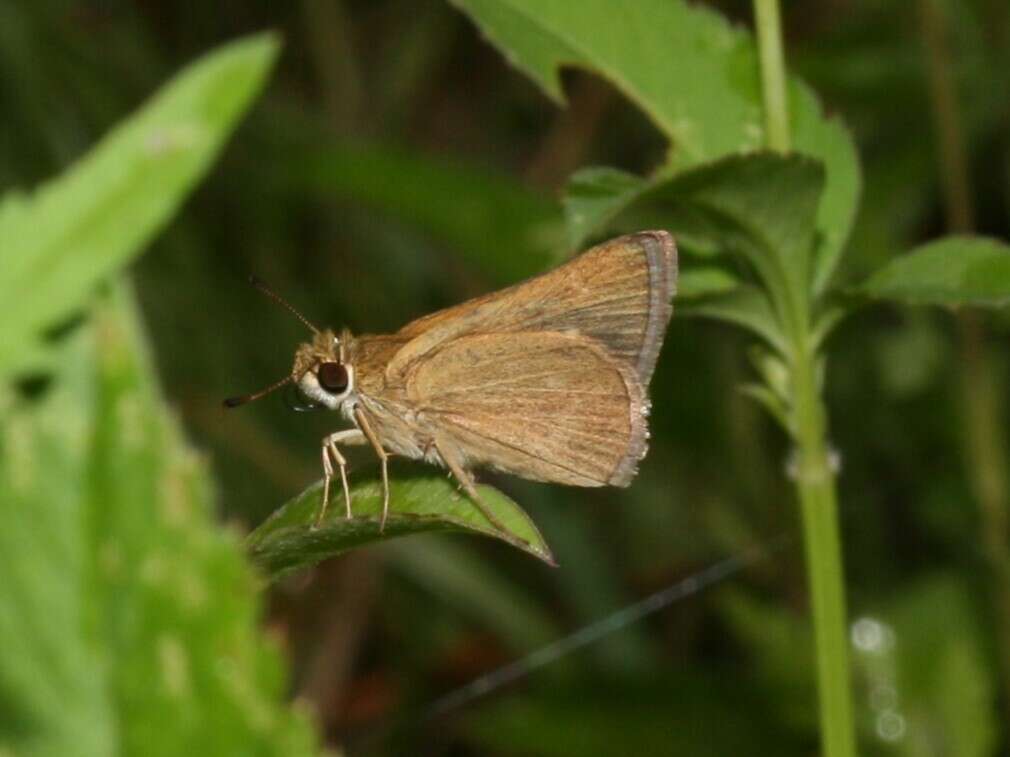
617, 293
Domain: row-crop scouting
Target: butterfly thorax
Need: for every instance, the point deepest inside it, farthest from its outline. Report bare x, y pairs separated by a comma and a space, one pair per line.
370, 354
397, 420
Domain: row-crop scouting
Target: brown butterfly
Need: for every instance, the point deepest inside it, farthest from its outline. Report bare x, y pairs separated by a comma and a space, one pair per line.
547, 379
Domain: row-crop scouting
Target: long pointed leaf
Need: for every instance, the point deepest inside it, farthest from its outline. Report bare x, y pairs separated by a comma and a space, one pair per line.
59, 241
423, 502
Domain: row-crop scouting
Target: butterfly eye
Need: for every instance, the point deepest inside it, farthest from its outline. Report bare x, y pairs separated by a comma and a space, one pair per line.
332, 377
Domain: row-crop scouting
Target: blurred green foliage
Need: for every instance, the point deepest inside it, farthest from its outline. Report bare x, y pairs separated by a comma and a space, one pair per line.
129, 621
952, 271
73, 232
707, 102
397, 164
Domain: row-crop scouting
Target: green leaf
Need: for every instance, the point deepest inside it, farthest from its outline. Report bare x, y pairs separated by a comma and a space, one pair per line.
62, 239
421, 500
602, 200
773, 370
594, 196
765, 206
952, 271
770, 402
507, 231
746, 306
692, 72
761, 206
128, 620
832, 311
775, 394
828, 140
52, 694
704, 282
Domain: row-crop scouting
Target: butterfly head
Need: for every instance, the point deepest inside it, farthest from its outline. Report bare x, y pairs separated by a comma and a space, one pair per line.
321, 371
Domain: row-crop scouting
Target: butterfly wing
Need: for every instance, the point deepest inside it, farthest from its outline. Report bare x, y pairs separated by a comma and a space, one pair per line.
542, 405
617, 293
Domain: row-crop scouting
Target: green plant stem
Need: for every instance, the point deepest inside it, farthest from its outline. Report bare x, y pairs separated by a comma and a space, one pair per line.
814, 473
815, 483
773, 74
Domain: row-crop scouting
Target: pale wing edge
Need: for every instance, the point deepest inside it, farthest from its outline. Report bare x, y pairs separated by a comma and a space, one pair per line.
661, 256
638, 440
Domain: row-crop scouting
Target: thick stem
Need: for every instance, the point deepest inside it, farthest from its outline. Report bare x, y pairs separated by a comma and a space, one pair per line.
815, 483
774, 84
814, 472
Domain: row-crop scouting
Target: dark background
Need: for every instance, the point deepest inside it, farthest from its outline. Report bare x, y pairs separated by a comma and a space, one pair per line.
390, 135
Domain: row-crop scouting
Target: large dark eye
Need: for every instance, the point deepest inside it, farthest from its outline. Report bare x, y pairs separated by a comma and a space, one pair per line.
332, 377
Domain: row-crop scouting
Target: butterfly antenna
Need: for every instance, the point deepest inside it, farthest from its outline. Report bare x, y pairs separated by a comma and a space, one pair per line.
262, 286
236, 401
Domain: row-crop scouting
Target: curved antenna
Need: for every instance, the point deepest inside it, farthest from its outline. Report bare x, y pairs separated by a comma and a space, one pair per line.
236, 401
262, 286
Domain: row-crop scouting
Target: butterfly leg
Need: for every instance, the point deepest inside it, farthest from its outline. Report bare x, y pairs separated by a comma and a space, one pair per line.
452, 459
366, 427
330, 450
